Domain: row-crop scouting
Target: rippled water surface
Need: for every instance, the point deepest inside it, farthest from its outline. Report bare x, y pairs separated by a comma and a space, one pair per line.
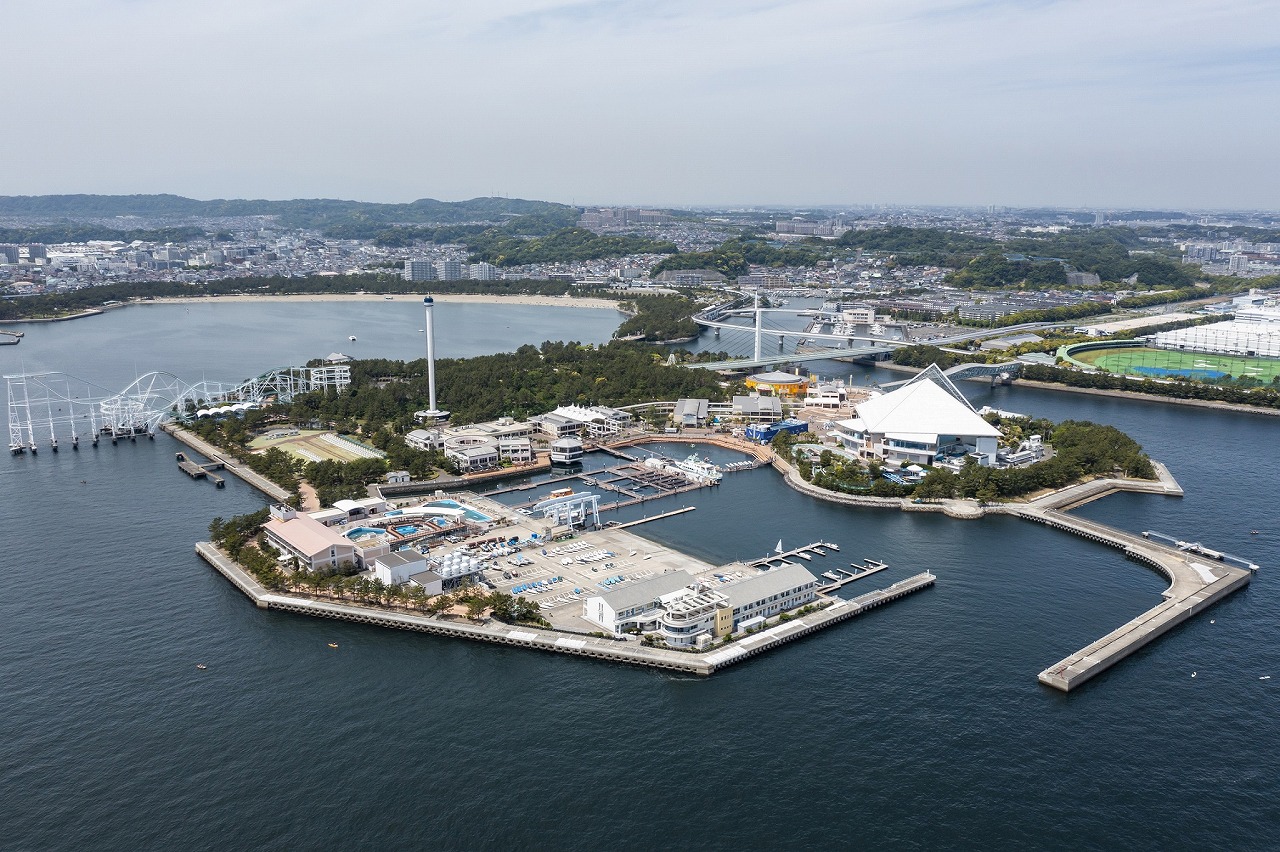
919, 725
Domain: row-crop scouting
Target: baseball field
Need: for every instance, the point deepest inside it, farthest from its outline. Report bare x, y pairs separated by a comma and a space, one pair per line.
1161, 363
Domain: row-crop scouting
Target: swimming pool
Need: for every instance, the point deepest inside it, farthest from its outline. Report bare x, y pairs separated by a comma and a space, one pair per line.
359, 532
470, 513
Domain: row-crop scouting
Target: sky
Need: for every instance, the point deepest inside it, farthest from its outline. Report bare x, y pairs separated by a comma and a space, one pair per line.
1070, 103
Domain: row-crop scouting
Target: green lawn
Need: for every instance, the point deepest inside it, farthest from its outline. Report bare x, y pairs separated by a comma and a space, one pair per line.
1151, 362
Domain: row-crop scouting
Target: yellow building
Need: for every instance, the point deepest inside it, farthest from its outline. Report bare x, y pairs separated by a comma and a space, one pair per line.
779, 384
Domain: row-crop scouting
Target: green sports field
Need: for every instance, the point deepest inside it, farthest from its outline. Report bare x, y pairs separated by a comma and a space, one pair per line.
1162, 363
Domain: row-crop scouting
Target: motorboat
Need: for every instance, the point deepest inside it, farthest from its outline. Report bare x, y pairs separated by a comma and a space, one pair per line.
352, 338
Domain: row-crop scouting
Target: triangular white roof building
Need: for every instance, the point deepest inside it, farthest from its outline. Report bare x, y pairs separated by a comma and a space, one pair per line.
925, 421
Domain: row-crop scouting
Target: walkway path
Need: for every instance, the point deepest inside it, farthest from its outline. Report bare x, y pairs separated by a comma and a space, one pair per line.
232, 464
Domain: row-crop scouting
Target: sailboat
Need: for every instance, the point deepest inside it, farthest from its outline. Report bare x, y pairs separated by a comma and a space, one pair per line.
778, 549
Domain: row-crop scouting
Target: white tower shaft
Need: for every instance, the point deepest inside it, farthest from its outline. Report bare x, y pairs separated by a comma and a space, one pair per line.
431, 354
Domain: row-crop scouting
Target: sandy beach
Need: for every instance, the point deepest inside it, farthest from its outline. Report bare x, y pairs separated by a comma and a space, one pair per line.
544, 301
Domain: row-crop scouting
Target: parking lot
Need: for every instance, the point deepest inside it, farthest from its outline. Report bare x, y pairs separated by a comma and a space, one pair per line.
563, 574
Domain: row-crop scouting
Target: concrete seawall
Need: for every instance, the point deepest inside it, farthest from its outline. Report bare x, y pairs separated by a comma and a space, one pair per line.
542, 639
231, 464
1195, 584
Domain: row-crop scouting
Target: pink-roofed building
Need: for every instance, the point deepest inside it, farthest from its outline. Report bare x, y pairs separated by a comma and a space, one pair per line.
307, 540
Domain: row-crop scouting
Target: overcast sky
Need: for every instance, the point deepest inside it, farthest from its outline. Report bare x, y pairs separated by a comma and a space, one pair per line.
1107, 103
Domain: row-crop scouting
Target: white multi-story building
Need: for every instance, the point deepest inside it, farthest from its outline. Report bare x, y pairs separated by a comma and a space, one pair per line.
1254, 337
484, 272
635, 606
565, 451
419, 270
925, 421
449, 270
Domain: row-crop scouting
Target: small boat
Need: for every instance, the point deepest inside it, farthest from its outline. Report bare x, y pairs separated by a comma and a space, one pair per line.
805, 557
1253, 532
831, 575
333, 644
834, 547
1265, 677
352, 338
201, 666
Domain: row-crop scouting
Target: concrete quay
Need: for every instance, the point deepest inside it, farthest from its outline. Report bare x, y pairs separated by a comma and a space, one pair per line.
1086, 492
229, 463
1195, 583
561, 642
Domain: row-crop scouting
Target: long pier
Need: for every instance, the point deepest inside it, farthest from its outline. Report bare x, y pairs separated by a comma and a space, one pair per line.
561, 642
1195, 583
670, 514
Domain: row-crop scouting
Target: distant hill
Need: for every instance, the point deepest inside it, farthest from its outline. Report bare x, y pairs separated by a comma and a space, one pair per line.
353, 219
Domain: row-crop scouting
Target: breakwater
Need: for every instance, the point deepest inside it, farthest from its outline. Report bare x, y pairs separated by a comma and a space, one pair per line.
1194, 585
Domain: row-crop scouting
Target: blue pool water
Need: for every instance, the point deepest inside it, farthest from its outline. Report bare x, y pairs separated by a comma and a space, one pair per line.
470, 514
359, 531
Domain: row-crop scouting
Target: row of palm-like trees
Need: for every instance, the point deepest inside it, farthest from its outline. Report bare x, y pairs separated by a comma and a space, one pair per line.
372, 591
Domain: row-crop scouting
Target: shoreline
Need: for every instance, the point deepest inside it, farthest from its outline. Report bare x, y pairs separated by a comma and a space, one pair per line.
591, 302
1190, 591
594, 302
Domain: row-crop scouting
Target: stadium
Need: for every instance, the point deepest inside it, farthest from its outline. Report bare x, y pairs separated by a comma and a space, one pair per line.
1137, 359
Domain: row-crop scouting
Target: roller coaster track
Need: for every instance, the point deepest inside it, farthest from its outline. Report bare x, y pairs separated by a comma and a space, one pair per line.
56, 403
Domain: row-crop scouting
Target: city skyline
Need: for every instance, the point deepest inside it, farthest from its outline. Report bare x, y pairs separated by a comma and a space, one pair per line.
1081, 105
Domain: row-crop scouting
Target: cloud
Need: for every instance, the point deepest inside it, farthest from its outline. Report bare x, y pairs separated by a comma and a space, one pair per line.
664, 101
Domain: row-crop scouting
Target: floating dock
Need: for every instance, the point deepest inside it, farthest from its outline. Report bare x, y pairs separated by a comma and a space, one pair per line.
230, 464
841, 577
195, 470
819, 548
